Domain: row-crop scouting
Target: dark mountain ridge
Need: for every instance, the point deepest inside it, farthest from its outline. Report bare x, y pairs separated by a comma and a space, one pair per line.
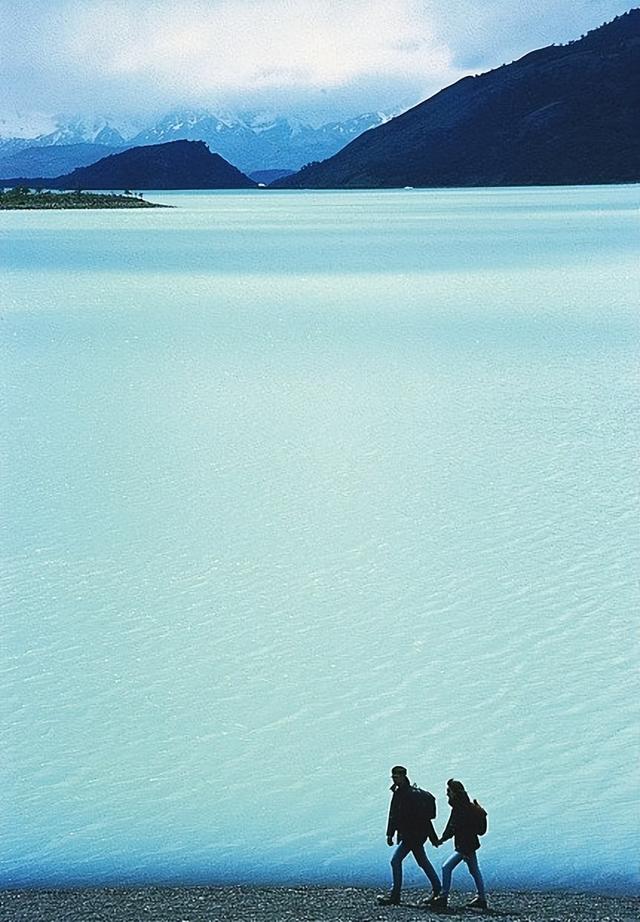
174, 165
563, 114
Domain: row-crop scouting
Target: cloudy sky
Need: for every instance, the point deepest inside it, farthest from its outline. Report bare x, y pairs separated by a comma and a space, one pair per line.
316, 59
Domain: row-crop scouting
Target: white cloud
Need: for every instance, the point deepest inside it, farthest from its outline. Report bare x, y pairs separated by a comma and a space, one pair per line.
334, 57
207, 46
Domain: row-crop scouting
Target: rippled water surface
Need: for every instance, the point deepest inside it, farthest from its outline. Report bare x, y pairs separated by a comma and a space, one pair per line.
297, 486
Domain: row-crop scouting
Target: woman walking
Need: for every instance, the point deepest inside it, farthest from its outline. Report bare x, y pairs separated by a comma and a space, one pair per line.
467, 819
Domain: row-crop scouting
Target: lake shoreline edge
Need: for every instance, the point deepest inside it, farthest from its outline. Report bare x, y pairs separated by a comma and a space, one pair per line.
302, 903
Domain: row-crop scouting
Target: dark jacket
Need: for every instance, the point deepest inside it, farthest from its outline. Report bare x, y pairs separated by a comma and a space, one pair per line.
406, 820
462, 826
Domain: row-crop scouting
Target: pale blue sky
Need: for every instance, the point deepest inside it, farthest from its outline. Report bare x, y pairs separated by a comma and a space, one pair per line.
316, 59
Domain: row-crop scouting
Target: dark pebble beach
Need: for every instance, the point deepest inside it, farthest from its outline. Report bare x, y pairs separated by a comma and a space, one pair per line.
296, 904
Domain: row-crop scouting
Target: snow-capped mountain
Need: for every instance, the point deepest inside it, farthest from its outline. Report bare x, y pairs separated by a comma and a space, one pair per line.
258, 141
76, 131
98, 131
249, 140
233, 140
71, 144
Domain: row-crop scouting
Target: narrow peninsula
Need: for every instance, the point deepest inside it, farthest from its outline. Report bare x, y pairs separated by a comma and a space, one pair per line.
23, 198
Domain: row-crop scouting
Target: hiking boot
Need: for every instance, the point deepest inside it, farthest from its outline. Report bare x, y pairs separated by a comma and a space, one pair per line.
477, 903
390, 900
429, 900
439, 902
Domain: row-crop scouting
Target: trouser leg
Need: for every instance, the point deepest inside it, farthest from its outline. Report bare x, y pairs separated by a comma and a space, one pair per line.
423, 862
399, 855
474, 870
447, 871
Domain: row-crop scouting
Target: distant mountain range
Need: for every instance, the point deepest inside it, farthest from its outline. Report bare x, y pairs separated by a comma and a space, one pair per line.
173, 165
253, 142
566, 114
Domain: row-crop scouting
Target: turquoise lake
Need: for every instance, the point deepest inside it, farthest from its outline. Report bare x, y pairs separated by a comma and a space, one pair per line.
296, 486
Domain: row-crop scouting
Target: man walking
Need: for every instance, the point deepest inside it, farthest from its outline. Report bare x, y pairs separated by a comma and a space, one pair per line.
410, 817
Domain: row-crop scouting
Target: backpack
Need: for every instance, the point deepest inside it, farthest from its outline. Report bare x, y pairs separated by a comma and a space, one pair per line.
479, 818
425, 803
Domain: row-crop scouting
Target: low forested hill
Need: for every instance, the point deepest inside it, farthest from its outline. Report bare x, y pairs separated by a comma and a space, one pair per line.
174, 165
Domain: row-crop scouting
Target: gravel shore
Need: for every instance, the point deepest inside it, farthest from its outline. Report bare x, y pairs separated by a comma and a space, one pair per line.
295, 904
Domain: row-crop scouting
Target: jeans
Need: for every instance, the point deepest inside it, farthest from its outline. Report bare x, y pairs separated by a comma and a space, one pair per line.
453, 862
401, 852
